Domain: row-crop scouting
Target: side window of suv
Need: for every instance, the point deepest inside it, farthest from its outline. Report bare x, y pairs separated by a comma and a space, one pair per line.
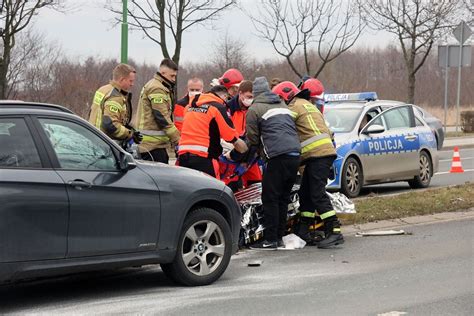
17, 148
77, 147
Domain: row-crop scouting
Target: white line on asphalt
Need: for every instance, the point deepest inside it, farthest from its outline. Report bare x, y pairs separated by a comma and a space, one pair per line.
444, 160
445, 172
465, 151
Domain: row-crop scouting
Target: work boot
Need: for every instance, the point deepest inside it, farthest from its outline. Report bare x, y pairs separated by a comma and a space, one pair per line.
333, 234
302, 230
317, 231
317, 236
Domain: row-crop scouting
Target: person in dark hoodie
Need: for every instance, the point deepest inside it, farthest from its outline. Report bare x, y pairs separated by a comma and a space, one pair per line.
271, 131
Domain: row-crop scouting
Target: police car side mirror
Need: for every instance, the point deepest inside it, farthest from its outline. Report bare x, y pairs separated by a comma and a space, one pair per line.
374, 129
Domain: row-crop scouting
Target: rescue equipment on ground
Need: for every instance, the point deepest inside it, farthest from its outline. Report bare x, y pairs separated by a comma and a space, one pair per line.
252, 228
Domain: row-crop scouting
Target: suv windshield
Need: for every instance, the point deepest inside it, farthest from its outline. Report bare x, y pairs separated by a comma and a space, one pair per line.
341, 120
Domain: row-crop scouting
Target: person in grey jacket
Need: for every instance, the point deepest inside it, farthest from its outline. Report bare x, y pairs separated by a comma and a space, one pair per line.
271, 131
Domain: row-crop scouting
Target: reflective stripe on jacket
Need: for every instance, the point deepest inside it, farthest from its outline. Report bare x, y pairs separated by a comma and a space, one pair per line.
315, 136
178, 112
205, 123
97, 107
117, 115
270, 126
111, 111
154, 114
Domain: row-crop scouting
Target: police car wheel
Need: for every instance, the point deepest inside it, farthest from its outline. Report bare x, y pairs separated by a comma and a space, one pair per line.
204, 249
352, 178
426, 170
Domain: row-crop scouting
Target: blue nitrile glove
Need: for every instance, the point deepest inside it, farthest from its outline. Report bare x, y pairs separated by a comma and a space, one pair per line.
240, 170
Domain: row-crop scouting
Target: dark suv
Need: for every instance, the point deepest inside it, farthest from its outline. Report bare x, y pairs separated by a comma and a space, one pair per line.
71, 200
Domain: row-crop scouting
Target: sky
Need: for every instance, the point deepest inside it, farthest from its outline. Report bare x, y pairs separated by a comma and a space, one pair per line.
88, 30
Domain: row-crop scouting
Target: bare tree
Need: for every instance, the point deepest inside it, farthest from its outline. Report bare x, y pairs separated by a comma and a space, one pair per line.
229, 53
15, 16
37, 71
315, 29
417, 24
31, 67
161, 20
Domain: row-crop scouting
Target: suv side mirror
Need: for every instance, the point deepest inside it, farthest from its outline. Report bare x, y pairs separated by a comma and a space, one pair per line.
374, 129
126, 162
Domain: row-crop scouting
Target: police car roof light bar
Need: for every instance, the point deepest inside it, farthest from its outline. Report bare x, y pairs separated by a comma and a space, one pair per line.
361, 96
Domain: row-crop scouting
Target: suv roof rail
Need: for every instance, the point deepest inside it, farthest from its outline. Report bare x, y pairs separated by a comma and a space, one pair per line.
33, 105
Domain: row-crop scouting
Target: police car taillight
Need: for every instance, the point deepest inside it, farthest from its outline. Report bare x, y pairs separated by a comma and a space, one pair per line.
361, 96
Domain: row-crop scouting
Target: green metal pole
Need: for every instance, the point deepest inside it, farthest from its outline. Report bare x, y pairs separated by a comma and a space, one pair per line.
124, 42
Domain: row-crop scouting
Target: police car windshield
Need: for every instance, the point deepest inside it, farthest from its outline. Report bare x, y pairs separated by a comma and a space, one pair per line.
342, 119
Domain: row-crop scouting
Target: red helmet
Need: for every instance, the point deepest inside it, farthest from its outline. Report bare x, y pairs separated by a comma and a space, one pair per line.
315, 88
286, 89
230, 78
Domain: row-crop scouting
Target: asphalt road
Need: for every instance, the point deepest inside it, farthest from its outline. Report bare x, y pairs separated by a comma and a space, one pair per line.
427, 273
440, 179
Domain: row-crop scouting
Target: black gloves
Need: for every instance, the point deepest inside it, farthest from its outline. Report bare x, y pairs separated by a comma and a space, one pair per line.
137, 137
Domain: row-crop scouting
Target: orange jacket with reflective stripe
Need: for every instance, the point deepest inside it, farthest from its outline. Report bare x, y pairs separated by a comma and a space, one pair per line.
178, 112
205, 123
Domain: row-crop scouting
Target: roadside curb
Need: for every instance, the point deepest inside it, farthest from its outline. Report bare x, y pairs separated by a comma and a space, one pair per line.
409, 221
461, 142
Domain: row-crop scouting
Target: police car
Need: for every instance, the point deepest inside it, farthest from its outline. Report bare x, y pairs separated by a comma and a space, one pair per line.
378, 141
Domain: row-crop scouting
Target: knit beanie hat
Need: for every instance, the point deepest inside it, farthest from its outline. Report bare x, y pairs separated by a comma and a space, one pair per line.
260, 85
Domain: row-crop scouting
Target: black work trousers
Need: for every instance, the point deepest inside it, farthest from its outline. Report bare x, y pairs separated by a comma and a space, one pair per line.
278, 179
158, 155
206, 165
312, 193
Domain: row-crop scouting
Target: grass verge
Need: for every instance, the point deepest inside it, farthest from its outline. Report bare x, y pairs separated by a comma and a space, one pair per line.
422, 202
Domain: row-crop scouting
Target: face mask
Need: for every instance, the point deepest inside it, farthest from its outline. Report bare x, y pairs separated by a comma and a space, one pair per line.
193, 93
247, 102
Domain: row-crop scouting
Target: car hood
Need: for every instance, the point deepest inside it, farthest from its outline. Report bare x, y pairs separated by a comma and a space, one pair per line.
179, 177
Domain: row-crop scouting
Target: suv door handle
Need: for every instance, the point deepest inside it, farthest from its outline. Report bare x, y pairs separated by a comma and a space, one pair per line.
79, 184
411, 137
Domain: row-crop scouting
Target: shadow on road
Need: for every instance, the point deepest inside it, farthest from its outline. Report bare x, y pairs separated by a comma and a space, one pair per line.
82, 287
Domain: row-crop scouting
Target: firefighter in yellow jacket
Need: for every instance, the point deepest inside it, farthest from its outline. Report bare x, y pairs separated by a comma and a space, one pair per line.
153, 117
317, 155
111, 109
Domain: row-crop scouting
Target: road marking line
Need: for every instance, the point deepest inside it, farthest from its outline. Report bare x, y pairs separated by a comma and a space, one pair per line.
445, 172
445, 160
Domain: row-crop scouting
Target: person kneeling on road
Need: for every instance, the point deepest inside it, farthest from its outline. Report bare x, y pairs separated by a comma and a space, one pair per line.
317, 155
